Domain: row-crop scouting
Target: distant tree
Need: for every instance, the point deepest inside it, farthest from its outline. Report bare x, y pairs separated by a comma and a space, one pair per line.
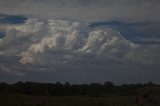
58, 84
150, 83
67, 84
67, 89
4, 88
108, 84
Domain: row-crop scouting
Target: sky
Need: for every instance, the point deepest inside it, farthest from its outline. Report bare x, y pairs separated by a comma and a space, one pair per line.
80, 41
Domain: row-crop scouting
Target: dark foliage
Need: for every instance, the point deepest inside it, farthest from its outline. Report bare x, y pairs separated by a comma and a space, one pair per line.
67, 89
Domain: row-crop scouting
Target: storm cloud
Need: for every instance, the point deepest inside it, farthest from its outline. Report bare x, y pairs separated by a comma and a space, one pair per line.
80, 40
66, 46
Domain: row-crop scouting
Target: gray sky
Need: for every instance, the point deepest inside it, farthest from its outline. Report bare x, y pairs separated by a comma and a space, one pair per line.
85, 10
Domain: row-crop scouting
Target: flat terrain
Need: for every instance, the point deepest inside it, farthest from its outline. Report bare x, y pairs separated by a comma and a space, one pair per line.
27, 100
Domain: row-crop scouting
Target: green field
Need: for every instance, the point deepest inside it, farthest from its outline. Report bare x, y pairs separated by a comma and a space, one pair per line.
26, 100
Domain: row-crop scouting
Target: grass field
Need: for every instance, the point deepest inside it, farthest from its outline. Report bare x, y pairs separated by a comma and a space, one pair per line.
26, 100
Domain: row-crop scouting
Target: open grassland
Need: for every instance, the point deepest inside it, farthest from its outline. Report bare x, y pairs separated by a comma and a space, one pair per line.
26, 100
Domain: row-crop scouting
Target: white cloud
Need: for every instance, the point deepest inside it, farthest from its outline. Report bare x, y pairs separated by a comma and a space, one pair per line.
73, 37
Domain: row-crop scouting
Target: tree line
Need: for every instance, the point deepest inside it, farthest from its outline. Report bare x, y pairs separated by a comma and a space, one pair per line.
67, 89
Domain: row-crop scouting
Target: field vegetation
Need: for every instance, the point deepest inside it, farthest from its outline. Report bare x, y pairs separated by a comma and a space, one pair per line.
94, 94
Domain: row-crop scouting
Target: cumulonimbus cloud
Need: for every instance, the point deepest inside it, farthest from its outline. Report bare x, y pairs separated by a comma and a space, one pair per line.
61, 45
72, 37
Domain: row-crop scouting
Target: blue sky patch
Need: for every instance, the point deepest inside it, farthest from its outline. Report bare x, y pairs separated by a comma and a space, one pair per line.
2, 34
12, 19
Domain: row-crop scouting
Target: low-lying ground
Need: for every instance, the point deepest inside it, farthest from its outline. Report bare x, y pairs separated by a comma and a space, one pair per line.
28, 100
